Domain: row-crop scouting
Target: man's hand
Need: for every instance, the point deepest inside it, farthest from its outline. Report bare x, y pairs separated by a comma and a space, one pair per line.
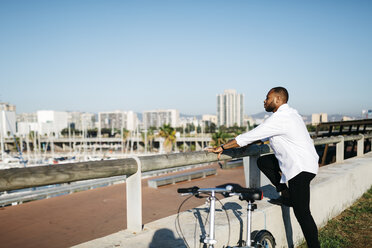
231, 144
217, 150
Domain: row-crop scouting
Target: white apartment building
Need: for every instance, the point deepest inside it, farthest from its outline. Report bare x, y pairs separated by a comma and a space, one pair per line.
51, 121
88, 120
230, 108
74, 120
24, 128
26, 117
346, 118
319, 118
81, 121
210, 118
367, 114
7, 119
26, 122
118, 119
248, 119
191, 120
157, 118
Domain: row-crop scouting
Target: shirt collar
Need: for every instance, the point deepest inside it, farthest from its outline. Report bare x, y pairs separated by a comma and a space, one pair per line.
283, 107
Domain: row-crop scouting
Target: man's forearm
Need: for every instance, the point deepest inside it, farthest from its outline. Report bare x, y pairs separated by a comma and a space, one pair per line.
230, 144
219, 149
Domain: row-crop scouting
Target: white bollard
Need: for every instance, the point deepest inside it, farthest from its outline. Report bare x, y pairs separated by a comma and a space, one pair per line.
340, 150
360, 146
134, 200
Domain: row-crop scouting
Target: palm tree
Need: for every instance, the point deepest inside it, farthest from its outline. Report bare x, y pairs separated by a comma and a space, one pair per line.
169, 135
151, 137
148, 137
220, 138
125, 135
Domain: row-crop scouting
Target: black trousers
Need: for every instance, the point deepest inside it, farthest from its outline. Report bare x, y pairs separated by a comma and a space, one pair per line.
299, 193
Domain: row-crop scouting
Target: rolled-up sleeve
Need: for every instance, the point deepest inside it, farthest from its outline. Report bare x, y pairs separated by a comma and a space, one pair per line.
270, 127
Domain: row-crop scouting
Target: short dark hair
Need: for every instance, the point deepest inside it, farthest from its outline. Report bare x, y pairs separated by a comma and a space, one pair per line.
281, 91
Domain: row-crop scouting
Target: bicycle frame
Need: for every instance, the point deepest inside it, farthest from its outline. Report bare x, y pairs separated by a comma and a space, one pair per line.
210, 239
249, 195
249, 223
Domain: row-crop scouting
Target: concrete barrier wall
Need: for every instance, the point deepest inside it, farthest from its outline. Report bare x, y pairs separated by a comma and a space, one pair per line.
334, 189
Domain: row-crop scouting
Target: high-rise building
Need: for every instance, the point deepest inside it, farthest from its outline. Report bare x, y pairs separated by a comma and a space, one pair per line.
80, 120
319, 118
157, 118
118, 119
7, 119
230, 108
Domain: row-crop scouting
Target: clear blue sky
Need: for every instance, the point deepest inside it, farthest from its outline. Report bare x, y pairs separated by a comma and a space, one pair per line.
142, 55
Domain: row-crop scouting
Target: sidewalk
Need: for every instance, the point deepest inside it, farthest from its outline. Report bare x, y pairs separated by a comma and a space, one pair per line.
336, 187
73, 219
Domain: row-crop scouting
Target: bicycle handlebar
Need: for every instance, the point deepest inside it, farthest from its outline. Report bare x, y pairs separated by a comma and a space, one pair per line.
248, 194
193, 190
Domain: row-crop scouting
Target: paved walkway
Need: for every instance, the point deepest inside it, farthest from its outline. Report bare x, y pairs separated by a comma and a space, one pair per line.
69, 220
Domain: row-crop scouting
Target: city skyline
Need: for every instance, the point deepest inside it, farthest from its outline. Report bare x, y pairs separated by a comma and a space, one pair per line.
95, 56
356, 114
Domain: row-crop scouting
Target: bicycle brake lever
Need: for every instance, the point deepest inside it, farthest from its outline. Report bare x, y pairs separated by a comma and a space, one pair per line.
198, 196
186, 194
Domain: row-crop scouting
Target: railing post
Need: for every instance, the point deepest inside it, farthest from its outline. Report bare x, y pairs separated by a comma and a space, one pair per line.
134, 199
340, 150
360, 146
253, 176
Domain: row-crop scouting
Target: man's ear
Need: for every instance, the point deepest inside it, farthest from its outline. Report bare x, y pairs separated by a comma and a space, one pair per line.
278, 99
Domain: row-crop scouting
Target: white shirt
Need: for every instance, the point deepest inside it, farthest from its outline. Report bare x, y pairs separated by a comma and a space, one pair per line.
289, 140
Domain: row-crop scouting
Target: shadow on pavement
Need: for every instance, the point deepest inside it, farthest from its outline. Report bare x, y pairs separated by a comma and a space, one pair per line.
164, 238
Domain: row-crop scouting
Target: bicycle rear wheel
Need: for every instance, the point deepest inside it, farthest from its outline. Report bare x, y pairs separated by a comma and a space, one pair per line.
264, 239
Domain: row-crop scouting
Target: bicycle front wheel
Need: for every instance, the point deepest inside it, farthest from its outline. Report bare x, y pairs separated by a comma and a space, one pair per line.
264, 239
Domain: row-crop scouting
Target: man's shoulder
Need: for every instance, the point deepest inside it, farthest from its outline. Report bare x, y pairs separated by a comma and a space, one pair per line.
287, 110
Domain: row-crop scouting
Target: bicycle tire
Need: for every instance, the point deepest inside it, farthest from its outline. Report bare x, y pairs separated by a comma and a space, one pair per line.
254, 234
264, 239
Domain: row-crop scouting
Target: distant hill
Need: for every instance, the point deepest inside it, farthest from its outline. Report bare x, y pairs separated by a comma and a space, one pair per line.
260, 115
199, 117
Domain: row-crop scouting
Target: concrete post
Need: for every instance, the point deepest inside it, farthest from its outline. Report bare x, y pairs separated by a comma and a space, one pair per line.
197, 146
254, 178
340, 150
360, 146
134, 200
140, 147
161, 145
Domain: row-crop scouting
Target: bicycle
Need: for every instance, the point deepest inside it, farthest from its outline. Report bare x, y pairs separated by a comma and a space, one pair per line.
255, 239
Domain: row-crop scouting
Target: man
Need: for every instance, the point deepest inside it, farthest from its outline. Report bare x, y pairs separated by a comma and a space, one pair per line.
295, 161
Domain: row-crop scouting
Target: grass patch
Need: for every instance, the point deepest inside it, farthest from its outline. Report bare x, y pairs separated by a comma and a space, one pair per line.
351, 229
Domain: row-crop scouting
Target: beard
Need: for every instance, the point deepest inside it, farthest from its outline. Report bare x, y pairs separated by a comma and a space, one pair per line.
270, 107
